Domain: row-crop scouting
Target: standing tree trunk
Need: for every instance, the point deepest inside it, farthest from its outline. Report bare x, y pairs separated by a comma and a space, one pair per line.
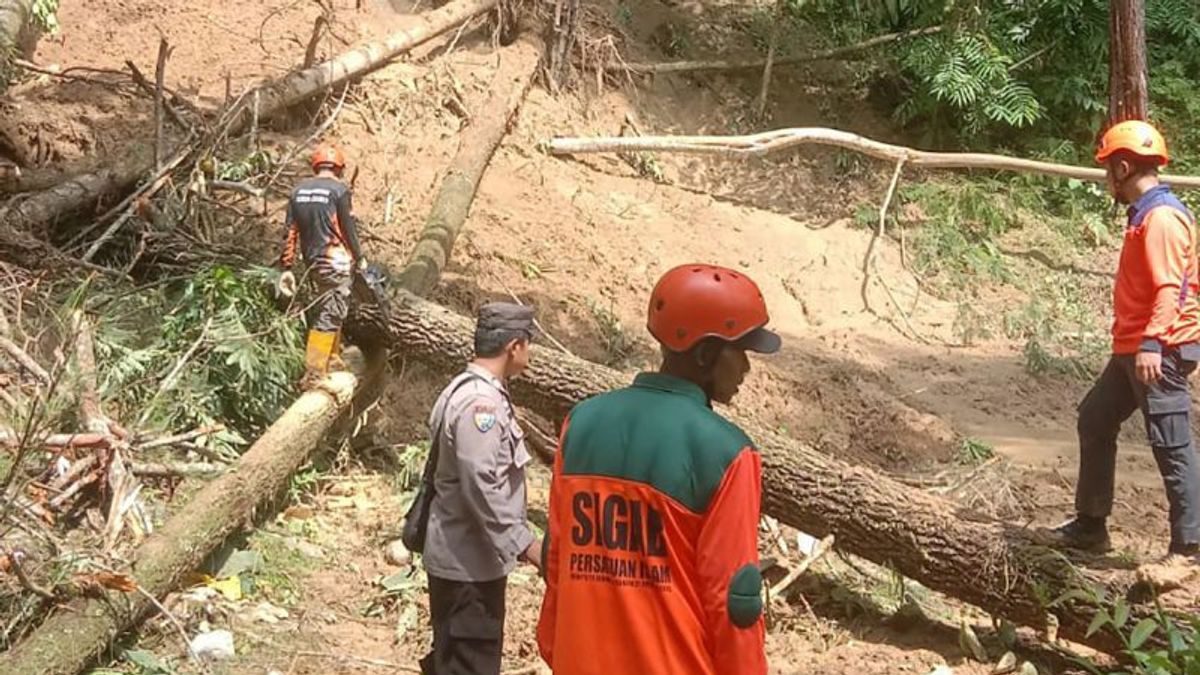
16, 31
1127, 95
562, 42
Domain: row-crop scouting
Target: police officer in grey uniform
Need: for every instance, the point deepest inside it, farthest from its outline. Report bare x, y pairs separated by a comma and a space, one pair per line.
477, 529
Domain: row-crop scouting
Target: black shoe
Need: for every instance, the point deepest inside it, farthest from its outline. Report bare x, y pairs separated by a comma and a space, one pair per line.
1188, 550
1082, 534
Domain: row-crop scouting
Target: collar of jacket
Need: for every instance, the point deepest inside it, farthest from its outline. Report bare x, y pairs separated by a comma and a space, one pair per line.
487, 375
1159, 195
672, 385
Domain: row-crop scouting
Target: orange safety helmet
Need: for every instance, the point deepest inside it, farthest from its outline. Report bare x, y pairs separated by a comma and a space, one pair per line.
693, 302
328, 154
1135, 137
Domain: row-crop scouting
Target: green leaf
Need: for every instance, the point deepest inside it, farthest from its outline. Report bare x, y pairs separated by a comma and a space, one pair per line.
147, 662
1142, 632
1098, 622
241, 562
397, 582
1120, 613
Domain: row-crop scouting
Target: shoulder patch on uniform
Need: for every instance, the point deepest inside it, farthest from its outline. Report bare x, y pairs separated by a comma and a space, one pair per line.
484, 417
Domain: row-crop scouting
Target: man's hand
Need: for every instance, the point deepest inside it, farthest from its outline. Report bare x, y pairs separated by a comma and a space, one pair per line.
533, 554
1148, 366
286, 286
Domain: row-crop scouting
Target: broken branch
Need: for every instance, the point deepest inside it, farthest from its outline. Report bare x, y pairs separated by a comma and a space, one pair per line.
782, 139
15, 559
750, 64
160, 71
24, 360
181, 438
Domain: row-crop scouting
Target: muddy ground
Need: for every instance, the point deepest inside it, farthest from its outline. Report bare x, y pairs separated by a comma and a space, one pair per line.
583, 240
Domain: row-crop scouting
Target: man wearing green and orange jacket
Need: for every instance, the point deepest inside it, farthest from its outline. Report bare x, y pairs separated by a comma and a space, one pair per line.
651, 555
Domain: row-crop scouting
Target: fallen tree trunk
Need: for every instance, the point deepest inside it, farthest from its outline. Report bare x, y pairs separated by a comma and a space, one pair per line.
488, 126
757, 63
71, 640
32, 215
15, 27
994, 566
782, 139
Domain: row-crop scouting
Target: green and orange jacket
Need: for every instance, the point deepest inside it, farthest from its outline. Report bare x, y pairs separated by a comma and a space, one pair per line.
1154, 299
651, 555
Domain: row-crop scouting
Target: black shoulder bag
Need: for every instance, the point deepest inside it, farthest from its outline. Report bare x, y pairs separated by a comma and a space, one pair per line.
416, 520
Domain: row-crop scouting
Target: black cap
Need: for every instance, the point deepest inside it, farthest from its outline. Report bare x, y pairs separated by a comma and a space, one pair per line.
760, 340
505, 316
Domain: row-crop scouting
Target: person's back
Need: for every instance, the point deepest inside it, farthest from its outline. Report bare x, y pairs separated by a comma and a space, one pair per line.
320, 211
651, 563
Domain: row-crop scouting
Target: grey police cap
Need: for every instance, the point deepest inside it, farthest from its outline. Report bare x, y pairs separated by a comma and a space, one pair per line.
505, 316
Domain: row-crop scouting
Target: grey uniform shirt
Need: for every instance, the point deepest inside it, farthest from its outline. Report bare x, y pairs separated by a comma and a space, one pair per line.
477, 522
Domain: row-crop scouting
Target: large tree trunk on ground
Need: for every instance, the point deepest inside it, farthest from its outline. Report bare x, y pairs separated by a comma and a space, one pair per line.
989, 564
33, 214
71, 640
1127, 95
488, 126
15, 33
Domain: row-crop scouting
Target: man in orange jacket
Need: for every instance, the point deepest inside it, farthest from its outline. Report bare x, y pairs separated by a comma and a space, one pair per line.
651, 556
1156, 326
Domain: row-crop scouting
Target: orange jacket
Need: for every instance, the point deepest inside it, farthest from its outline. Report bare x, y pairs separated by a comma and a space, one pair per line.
1154, 299
651, 558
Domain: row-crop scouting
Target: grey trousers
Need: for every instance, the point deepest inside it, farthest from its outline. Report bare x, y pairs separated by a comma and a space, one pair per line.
332, 302
1166, 408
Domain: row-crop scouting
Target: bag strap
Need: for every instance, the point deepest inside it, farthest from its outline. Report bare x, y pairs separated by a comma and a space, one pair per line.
435, 442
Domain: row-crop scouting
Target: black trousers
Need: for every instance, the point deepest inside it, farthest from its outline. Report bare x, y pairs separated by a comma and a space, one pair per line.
1166, 408
468, 627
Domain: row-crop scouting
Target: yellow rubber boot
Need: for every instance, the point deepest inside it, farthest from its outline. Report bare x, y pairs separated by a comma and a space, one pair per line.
335, 354
317, 356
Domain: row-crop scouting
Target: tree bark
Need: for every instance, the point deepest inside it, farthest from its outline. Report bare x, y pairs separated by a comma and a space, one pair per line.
15, 33
489, 126
783, 139
563, 34
1127, 95
69, 641
995, 566
27, 220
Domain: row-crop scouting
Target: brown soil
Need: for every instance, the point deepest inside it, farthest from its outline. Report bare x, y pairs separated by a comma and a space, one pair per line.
583, 240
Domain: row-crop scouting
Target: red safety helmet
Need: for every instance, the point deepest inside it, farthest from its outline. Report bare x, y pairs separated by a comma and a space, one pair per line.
693, 302
328, 155
1135, 137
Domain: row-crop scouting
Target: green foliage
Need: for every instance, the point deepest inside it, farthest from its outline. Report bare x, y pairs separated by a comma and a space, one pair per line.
251, 165
45, 13
973, 452
1000, 66
1174, 651
618, 346
956, 247
232, 355
972, 75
